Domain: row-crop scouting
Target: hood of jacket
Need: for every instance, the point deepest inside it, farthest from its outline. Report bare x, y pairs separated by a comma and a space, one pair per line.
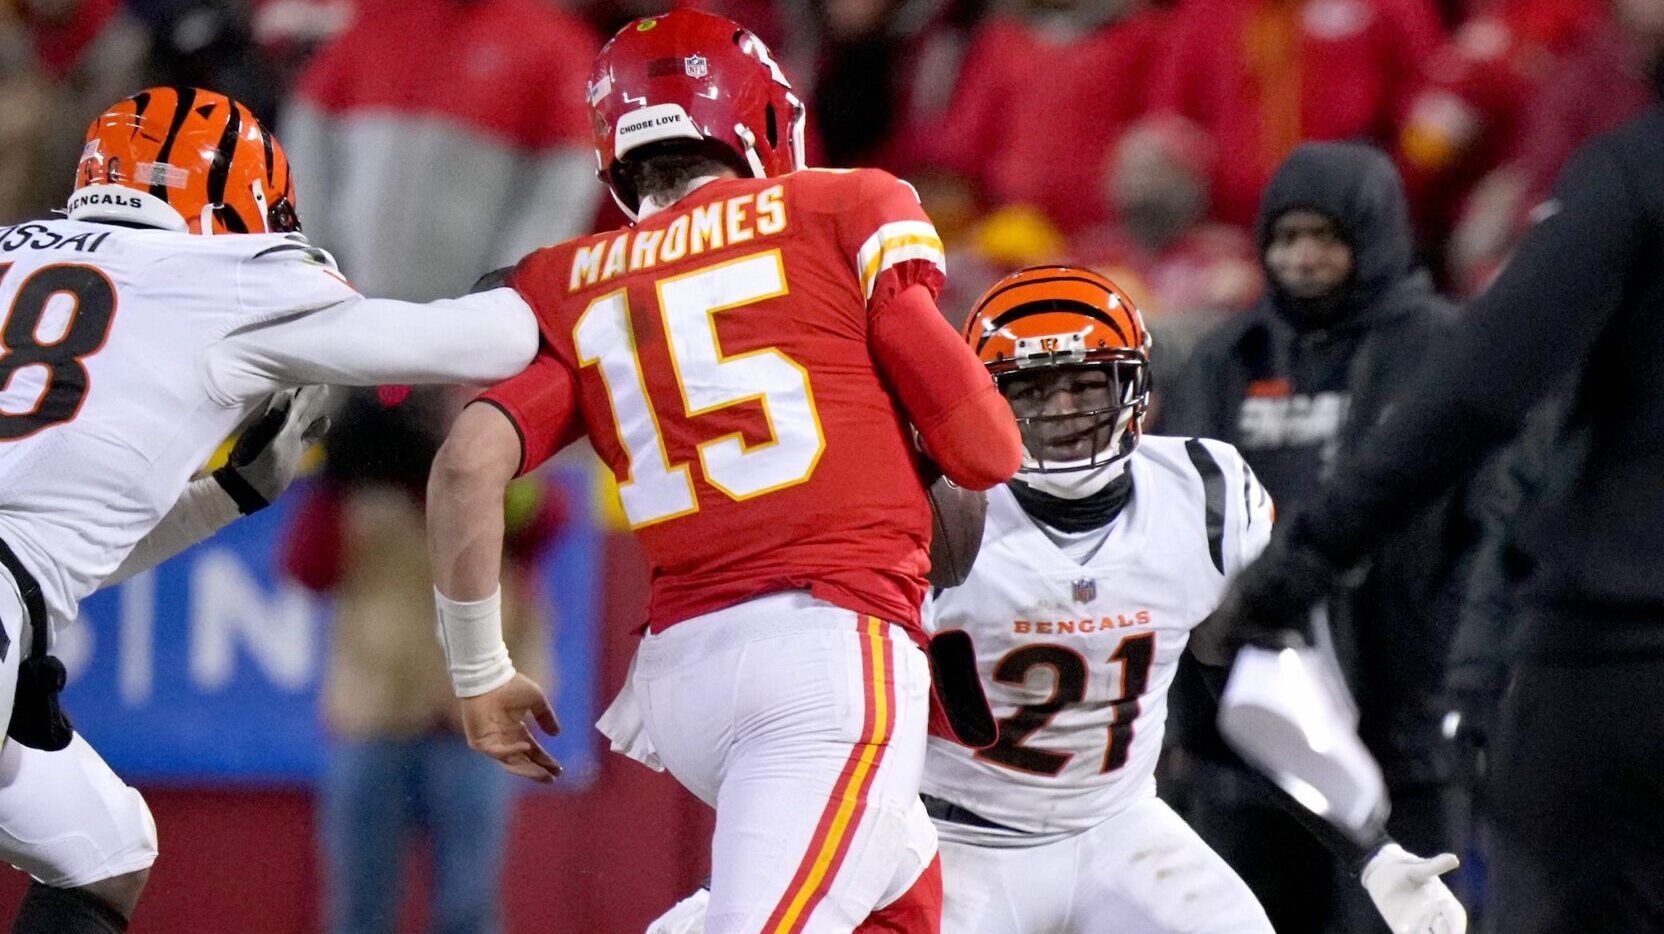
1358, 188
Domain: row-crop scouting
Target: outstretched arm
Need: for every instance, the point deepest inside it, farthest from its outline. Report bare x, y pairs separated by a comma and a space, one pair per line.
479, 338
1405, 888
465, 542
465, 498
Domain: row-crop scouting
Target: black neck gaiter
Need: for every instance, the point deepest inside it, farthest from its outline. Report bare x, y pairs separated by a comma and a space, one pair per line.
1075, 515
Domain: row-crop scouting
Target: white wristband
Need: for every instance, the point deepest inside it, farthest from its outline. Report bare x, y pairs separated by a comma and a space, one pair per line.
472, 635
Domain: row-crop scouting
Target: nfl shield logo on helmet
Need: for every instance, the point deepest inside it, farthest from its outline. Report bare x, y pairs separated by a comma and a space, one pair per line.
696, 66
1086, 590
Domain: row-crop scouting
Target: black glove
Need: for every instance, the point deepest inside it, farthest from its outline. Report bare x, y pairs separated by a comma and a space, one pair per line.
1270, 603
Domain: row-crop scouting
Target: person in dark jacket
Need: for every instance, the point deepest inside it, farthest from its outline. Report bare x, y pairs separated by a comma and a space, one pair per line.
1484, 646
1294, 383
1577, 784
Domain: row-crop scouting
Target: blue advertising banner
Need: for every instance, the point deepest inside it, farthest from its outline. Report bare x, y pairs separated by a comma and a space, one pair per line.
208, 669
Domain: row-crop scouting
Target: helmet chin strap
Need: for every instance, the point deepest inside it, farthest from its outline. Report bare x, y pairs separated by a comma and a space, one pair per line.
751, 157
799, 118
629, 212
261, 205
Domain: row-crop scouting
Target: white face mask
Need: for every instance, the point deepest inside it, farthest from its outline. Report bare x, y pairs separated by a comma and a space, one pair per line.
1077, 479
1074, 484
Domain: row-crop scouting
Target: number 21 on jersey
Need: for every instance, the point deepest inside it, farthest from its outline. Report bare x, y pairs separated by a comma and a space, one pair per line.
1135, 654
656, 489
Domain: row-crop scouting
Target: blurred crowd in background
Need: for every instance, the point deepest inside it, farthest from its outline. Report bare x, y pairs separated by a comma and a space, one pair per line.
435, 140
1133, 135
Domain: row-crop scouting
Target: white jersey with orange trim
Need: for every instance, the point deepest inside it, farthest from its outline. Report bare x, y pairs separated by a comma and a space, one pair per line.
130, 355
1077, 656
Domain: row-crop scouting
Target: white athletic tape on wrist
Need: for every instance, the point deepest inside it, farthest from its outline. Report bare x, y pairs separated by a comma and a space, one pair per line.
472, 636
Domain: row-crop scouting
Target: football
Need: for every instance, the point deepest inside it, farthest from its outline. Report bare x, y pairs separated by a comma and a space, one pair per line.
956, 531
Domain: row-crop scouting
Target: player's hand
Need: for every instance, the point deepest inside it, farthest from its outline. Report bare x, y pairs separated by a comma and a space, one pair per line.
496, 724
267, 455
1407, 892
1270, 603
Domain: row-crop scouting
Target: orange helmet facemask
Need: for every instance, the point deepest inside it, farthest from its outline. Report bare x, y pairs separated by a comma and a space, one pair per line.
1050, 330
184, 159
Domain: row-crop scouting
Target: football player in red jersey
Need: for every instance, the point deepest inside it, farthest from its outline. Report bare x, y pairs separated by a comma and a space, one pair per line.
752, 358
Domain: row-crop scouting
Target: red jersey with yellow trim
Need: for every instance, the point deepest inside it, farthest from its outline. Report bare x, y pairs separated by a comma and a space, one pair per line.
719, 355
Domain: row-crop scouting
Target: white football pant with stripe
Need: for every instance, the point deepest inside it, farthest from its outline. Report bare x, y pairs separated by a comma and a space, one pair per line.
804, 725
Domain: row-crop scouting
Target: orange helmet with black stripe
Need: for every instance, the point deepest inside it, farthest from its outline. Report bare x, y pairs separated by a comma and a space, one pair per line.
1070, 352
184, 159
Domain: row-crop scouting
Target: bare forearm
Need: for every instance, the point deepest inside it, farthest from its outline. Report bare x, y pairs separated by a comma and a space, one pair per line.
465, 503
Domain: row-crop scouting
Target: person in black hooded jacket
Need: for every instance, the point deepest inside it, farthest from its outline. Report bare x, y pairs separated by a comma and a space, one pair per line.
1575, 796
1346, 319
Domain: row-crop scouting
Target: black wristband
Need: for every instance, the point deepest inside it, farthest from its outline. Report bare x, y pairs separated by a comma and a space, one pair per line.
1358, 860
247, 498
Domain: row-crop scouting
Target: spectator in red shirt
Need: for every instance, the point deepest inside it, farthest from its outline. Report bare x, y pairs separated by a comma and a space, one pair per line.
1262, 75
1043, 95
440, 139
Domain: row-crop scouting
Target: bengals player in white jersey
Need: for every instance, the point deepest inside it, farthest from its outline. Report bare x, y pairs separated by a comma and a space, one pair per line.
171, 302
1099, 565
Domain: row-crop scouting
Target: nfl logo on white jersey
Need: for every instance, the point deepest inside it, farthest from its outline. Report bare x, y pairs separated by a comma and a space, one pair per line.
1086, 590
696, 66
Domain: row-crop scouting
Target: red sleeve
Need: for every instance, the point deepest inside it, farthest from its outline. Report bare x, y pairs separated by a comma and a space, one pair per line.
312, 547
884, 231
542, 404
945, 392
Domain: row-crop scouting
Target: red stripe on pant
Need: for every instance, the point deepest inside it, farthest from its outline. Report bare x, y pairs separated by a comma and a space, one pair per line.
841, 817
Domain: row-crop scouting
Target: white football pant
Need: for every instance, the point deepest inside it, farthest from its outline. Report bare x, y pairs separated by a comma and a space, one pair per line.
1143, 871
65, 818
803, 724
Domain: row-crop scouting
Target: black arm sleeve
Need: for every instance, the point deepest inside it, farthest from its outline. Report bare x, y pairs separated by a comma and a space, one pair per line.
1536, 323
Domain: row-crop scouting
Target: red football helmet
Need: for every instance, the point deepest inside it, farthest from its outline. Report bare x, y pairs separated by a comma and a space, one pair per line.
692, 75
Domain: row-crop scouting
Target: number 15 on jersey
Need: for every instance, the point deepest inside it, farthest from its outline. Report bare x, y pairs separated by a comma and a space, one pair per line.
708, 380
